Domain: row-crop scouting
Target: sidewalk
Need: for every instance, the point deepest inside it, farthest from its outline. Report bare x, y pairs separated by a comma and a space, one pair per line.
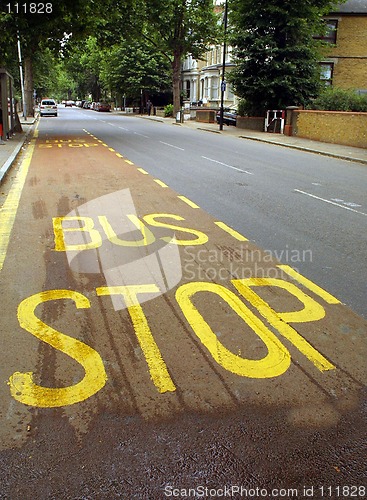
10, 148
323, 148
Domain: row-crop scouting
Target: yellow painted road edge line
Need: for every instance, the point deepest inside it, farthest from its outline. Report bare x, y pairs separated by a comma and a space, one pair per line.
231, 231
189, 202
9, 209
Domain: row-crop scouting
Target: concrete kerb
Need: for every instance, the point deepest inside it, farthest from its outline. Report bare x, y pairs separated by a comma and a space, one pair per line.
10, 160
315, 148
307, 150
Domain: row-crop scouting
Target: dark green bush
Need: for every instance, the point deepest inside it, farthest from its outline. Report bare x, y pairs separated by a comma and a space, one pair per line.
241, 107
335, 99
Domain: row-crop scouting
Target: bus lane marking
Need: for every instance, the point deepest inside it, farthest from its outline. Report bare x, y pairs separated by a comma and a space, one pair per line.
22, 386
230, 231
275, 363
160, 183
9, 210
188, 202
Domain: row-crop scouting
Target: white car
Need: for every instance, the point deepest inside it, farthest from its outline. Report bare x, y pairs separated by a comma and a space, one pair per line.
48, 107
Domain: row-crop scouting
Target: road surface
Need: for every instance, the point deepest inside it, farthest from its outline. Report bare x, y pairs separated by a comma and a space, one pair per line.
150, 348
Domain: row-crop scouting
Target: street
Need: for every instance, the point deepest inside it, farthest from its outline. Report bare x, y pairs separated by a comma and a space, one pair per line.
180, 311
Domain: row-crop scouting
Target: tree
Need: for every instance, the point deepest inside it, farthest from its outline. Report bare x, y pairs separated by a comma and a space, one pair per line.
133, 67
38, 31
175, 28
275, 52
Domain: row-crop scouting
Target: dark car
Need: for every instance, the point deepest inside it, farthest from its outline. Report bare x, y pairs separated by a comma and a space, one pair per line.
102, 106
229, 116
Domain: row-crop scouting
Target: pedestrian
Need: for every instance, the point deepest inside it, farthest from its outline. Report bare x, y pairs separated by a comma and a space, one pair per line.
149, 106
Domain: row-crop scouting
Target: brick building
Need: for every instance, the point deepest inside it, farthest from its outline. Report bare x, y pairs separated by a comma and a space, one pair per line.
345, 62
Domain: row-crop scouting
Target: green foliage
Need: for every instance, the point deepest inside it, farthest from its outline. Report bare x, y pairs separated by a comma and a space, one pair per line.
242, 107
175, 28
335, 99
276, 55
168, 110
133, 66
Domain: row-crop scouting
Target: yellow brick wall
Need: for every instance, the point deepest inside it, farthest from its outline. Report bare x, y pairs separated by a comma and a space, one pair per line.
336, 127
350, 53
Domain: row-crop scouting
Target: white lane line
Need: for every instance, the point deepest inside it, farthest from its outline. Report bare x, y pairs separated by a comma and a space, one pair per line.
331, 202
141, 135
112, 124
123, 128
228, 166
171, 145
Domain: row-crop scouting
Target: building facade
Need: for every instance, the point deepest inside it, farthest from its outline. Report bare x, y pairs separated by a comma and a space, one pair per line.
201, 79
345, 61
344, 64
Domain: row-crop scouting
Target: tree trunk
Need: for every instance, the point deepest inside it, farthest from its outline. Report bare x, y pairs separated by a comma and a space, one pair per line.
28, 85
176, 80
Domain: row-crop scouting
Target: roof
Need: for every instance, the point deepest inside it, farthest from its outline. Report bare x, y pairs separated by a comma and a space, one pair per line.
350, 7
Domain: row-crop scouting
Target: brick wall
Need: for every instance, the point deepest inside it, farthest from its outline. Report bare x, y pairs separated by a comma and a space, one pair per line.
350, 53
336, 127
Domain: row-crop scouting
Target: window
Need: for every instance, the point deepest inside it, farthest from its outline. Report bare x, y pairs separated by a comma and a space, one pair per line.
331, 27
326, 72
187, 89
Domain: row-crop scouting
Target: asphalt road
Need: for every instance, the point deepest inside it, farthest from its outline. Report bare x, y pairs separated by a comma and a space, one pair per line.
306, 210
150, 347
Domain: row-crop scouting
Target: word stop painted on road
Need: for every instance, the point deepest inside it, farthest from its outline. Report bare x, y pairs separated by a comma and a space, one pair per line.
236, 296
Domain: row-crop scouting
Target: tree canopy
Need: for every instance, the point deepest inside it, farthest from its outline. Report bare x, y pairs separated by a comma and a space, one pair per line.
138, 44
276, 54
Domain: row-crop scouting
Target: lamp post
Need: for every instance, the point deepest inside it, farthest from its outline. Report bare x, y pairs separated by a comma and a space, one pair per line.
223, 82
21, 78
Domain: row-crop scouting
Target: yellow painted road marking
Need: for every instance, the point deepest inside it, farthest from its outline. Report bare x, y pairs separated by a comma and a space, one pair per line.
22, 386
157, 367
312, 311
9, 209
118, 154
275, 363
189, 202
162, 184
129, 162
104, 144
143, 171
231, 231
111, 149
309, 284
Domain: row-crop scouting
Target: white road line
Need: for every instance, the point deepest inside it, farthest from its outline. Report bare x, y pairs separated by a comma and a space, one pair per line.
171, 145
141, 135
123, 128
328, 201
228, 166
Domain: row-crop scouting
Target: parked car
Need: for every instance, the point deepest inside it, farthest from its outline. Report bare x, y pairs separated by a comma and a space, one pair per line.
86, 105
48, 107
102, 106
69, 104
229, 116
93, 105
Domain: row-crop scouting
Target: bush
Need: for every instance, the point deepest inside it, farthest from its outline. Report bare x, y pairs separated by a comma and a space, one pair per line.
334, 99
241, 108
168, 110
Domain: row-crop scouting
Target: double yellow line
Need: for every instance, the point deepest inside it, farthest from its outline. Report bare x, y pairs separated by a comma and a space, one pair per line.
9, 210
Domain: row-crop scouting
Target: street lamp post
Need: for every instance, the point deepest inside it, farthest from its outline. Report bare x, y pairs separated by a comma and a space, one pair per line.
21, 78
223, 82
